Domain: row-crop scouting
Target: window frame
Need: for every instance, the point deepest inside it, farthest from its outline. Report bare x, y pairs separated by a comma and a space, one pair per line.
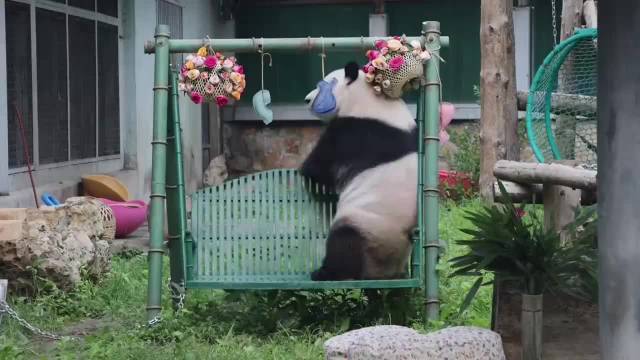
68, 10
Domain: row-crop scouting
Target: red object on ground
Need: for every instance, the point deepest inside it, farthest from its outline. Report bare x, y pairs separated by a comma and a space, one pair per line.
453, 178
130, 215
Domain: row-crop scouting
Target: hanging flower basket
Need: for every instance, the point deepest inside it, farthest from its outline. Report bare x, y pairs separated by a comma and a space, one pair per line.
209, 76
395, 66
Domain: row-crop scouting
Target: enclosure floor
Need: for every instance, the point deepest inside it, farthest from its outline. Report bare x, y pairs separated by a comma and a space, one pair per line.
138, 240
570, 327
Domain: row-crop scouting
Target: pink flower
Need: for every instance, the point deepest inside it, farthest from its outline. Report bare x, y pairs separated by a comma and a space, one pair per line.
397, 38
381, 44
239, 69
204, 75
196, 97
396, 63
210, 62
225, 75
384, 51
366, 68
520, 212
372, 54
222, 100
209, 88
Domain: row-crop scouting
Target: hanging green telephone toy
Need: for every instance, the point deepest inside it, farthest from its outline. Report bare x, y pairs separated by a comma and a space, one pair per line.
262, 98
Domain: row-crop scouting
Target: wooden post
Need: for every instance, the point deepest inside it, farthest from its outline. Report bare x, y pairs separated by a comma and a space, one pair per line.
566, 123
499, 118
560, 204
531, 327
3, 293
590, 14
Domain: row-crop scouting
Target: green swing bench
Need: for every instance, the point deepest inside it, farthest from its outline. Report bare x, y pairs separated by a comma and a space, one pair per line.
267, 230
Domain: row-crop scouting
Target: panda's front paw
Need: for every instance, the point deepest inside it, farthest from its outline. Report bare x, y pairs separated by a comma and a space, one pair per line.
320, 275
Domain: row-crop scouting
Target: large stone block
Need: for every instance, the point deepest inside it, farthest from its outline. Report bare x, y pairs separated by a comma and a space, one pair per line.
391, 342
57, 242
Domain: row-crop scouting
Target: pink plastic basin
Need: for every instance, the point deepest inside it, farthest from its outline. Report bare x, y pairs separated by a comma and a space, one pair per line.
130, 215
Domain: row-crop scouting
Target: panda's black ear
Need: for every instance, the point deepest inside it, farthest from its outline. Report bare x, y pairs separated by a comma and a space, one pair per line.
351, 71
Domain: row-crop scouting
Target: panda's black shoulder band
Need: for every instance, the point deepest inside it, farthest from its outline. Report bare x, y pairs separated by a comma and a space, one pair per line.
351, 71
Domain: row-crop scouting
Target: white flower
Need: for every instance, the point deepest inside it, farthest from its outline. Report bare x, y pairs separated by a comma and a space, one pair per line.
416, 44
425, 55
214, 79
386, 84
189, 58
182, 87
198, 61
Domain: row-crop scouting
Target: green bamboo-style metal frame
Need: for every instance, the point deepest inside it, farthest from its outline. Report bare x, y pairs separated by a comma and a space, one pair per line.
551, 65
186, 264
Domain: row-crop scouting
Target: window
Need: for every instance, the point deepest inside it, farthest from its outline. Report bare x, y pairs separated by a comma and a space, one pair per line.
19, 84
73, 114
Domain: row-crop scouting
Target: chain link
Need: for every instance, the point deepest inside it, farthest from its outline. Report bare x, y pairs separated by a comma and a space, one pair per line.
6, 309
174, 289
553, 20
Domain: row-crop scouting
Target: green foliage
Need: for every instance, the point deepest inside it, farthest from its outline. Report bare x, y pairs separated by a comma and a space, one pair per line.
467, 158
227, 325
505, 245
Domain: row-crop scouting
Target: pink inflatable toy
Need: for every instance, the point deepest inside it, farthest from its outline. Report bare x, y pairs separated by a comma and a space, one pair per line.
130, 215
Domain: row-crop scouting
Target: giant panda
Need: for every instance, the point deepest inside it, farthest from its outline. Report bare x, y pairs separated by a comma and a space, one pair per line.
368, 154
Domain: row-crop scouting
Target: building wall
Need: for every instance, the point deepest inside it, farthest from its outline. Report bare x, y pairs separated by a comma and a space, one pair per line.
133, 167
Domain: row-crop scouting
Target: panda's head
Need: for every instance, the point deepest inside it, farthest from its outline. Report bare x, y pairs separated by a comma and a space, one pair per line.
345, 93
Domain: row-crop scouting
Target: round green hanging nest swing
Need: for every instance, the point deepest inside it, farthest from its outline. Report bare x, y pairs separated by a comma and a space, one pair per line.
561, 116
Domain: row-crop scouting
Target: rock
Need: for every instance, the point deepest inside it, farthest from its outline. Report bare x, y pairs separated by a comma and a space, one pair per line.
391, 342
216, 173
58, 242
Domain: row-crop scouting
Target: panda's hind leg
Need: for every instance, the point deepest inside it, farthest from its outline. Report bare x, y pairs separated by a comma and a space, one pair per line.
344, 255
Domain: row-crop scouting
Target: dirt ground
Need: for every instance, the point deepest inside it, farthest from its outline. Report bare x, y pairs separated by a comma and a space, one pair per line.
570, 329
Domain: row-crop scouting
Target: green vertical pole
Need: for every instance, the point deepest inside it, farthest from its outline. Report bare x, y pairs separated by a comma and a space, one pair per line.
176, 214
158, 171
431, 94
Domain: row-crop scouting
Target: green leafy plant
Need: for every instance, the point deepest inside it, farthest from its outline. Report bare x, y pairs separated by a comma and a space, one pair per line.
467, 157
515, 247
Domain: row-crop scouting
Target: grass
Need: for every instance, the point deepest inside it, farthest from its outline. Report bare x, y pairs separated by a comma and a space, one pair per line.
217, 325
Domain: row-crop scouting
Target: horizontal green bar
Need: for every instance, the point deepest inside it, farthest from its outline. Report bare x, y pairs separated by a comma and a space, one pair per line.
277, 44
301, 285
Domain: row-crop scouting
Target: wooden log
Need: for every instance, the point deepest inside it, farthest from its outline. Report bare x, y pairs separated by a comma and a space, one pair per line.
499, 117
590, 14
533, 194
586, 105
560, 205
538, 173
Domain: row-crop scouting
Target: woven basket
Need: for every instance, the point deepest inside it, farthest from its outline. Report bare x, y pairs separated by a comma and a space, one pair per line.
411, 69
108, 221
218, 89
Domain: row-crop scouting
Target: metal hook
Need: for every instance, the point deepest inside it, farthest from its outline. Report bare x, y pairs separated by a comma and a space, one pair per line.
323, 56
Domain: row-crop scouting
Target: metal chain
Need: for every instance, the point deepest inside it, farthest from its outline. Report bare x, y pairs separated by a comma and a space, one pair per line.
6, 309
175, 288
553, 20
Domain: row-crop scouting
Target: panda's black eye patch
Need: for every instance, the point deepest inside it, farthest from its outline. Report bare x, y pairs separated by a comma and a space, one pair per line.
351, 71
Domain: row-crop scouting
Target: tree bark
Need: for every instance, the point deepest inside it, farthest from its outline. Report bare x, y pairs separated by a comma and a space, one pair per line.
499, 117
590, 14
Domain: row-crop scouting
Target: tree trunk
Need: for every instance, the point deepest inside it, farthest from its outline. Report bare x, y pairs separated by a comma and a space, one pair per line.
499, 118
